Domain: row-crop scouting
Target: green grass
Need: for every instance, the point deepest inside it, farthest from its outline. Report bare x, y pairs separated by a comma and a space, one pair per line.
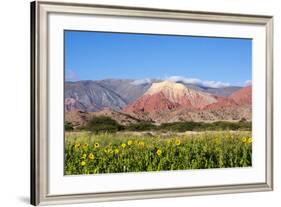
91, 153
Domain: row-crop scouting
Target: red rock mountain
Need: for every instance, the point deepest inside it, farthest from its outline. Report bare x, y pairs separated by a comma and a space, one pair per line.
222, 102
243, 96
169, 96
165, 102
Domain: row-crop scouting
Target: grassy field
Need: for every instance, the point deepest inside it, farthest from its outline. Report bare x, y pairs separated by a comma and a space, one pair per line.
91, 153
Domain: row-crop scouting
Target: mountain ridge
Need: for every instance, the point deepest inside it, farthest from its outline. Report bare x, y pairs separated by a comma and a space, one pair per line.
123, 91
159, 101
176, 95
166, 98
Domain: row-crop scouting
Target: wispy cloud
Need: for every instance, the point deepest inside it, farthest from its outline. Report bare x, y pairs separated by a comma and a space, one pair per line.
141, 81
205, 83
71, 75
186, 80
248, 82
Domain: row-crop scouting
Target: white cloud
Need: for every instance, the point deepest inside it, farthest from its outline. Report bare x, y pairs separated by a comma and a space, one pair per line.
184, 80
248, 82
206, 83
71, 75
195, 81
141, 81
215, 84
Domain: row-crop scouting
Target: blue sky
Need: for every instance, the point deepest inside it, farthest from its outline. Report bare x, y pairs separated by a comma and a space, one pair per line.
102, 55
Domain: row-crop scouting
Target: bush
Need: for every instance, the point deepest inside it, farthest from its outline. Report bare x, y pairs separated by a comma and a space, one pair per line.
201, 126
68, 126
183, 126
103, 124
224, 125
106, 124
141, 126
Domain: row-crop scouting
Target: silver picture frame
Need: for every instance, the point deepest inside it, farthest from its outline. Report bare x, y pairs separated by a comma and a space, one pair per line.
39, 100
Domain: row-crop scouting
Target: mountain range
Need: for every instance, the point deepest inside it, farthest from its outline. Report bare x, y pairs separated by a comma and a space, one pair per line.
156, 101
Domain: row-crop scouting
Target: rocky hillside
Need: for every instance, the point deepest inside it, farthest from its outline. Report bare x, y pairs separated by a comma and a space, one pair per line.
168, 95
159, 102
169, 102
79, 118
91, 96
117, 93
243, 96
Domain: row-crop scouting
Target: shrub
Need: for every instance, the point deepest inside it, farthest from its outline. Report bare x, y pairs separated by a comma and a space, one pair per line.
201, 126
181, 126
68, 126
106, 124
141, 126
103, 124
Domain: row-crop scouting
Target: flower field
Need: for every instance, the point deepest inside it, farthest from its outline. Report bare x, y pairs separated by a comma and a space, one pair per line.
90, 153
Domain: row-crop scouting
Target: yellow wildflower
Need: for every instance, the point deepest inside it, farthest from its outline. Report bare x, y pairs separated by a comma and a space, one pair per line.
85, 146
130, 142
77, 145
141, 143
83, 163
116, 151
84, 156
123, 145
96, 145
250, 140
178, 142
159, 152
244, 139
91, 156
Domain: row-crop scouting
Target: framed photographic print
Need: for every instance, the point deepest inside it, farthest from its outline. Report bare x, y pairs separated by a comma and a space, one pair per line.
134, 103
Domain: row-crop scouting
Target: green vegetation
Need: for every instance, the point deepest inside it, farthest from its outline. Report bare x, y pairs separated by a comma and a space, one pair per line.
105, 146
201, 126
141, 126
106, 124
68, 126
102, 124
90, 153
